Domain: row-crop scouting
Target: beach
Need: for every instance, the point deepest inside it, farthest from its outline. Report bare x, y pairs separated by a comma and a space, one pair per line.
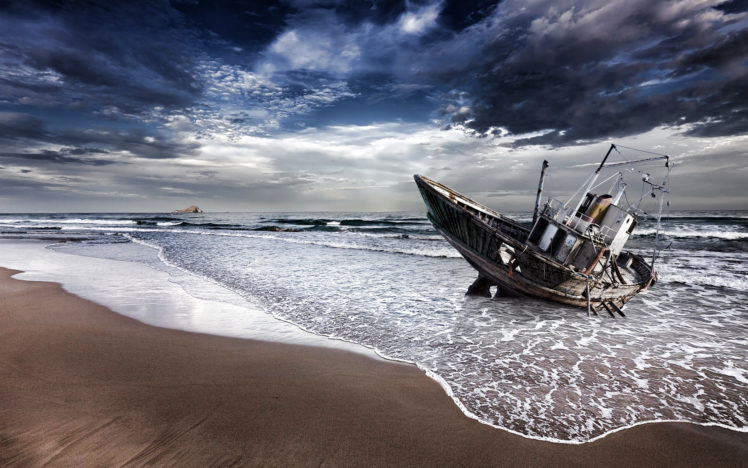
419, 233
386, 285
83, 386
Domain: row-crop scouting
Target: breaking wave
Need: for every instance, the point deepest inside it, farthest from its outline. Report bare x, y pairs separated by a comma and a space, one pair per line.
693, 233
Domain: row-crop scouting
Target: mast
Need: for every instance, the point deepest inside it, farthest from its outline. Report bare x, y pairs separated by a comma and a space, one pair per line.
612, 147
540, 191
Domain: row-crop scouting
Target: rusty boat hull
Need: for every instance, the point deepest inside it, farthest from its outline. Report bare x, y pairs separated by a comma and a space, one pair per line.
498, 248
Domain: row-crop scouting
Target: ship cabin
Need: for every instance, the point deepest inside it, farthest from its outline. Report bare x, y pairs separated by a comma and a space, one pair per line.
598, 227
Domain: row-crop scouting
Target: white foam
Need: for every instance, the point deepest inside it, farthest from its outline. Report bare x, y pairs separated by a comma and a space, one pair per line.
733, 371
446, 251
150, 296
694, 233
424, 237
448, 390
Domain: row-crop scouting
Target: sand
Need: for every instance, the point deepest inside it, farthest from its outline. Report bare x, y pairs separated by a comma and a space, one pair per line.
83, 386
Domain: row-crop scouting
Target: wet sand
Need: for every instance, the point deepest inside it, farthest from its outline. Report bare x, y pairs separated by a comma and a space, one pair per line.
83, 386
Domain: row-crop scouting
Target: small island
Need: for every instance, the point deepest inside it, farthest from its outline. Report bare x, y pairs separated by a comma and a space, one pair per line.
191, 209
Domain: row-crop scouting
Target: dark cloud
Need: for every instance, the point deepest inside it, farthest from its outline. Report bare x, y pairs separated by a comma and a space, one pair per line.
377, 12
371, 99
573, 71
138, 142
250, 25
19, 125
457, 15
733, 6
566, 72
32, 135
131, 56
62, 156
583, 72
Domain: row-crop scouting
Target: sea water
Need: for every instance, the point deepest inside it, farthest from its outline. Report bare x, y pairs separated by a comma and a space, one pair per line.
388, 281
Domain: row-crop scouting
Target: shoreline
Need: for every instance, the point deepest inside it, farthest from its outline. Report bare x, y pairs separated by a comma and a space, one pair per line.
75, 276
80, 384
158, 289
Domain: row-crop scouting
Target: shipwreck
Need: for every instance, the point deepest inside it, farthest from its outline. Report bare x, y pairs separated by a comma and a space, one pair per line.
572, 252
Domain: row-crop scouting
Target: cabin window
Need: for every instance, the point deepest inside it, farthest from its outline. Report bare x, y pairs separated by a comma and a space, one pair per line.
558, 241
538, 231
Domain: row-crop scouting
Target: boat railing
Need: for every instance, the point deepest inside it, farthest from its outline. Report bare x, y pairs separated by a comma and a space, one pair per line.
555, 210
599, 234
582, 224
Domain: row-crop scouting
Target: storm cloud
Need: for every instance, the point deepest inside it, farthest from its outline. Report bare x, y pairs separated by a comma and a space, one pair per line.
328, 104
126, 56
586, 71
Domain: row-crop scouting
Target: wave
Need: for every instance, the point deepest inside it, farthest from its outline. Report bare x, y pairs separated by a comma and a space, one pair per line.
161, 218
392, 231
709, 217
186, 227
413, 220
83, 221
388, 225
445, 252
379, 222
275, 229
300, 222
159, 222
442, 251
234, 227
687, 233
698, 278
356, 222
29, 226
403, 235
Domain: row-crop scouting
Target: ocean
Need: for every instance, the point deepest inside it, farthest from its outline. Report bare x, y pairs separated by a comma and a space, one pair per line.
389, 282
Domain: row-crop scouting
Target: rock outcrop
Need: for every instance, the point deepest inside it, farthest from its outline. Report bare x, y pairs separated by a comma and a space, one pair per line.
191, 209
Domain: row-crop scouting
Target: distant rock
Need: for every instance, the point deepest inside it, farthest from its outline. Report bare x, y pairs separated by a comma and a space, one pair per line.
191, 209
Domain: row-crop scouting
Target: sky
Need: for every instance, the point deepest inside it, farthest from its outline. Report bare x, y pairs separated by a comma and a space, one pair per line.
304, 105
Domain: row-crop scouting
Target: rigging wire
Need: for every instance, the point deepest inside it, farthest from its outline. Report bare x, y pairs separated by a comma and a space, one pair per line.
617, 174
634, 166
640, 150
663, 188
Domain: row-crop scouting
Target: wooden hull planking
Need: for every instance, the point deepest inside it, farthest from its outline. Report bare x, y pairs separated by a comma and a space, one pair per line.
495, 246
